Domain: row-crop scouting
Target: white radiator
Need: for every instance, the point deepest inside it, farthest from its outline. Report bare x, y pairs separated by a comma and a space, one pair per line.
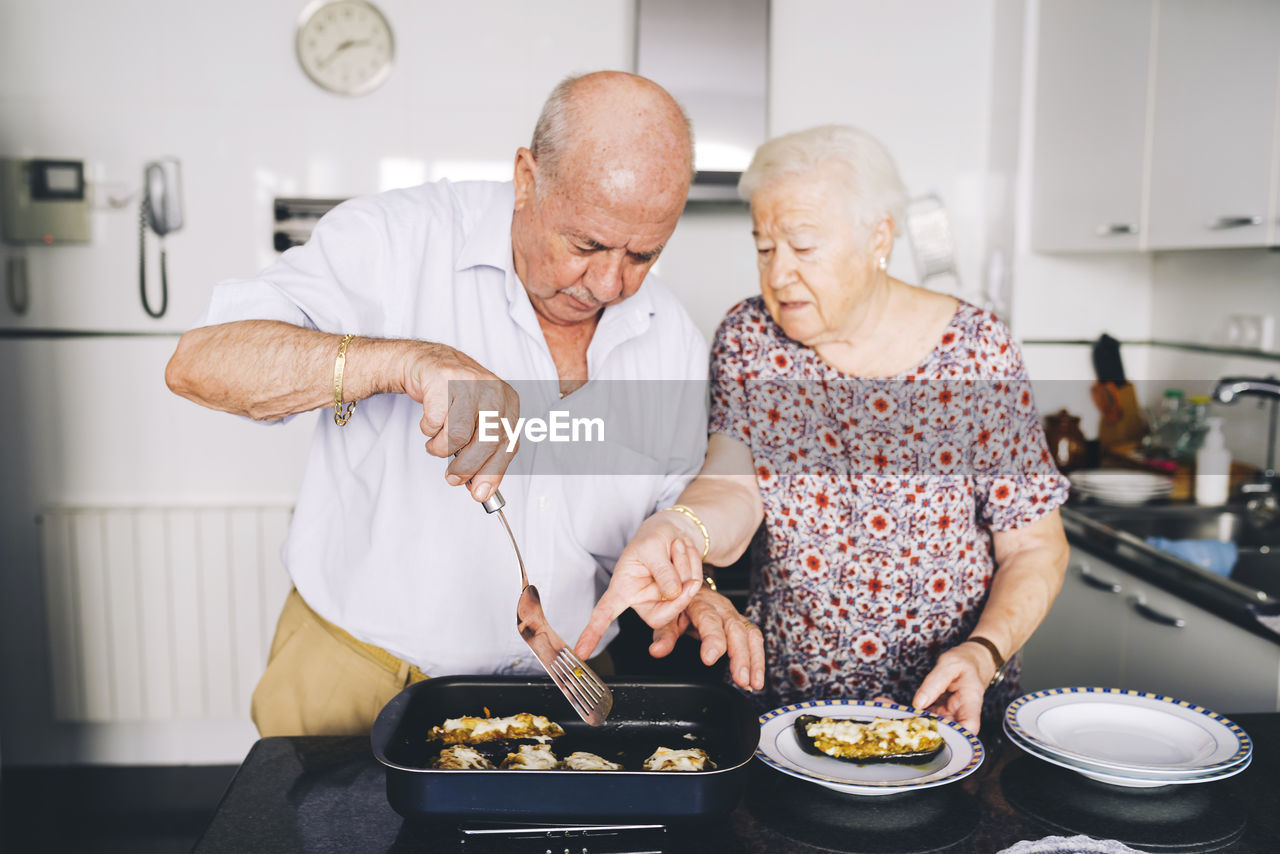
160, 613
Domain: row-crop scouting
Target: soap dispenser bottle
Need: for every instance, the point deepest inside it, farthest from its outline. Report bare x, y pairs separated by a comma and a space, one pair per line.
1213, 466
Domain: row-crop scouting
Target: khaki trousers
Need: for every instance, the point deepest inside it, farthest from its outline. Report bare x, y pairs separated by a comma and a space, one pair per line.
322, 681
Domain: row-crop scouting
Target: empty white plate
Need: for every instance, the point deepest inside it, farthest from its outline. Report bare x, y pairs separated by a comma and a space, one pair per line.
1128, 732
1136, 780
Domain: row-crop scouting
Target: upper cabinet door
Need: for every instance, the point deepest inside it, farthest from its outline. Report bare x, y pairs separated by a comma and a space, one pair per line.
1213, 124
1090, 124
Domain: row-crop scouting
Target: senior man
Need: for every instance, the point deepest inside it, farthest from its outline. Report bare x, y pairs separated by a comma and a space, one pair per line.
420, 305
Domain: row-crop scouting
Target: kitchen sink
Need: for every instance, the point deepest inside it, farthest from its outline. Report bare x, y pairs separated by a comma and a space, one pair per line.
1258, 562
1186, 522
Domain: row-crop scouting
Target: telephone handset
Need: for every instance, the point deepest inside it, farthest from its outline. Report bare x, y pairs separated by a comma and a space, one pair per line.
161, 211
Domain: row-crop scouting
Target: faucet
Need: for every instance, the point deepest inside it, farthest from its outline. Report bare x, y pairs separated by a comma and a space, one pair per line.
1229, 388
1265, 510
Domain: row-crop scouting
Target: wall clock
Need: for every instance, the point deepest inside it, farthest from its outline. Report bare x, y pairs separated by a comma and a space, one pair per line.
345, 46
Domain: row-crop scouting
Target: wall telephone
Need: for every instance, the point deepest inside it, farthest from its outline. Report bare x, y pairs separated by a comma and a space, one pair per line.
161, 211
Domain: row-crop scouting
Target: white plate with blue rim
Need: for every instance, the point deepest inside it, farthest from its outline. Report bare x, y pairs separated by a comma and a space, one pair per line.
1142, 780
780, 750
1134, 735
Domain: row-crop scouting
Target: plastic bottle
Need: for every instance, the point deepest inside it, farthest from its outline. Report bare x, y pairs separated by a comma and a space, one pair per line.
1191, 430
1166, 425
1213, 466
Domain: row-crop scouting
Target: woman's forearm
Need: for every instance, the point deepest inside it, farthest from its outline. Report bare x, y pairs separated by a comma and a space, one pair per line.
1030, 565
726, 498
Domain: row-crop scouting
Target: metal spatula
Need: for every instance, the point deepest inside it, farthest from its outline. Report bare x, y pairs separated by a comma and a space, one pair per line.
584, 690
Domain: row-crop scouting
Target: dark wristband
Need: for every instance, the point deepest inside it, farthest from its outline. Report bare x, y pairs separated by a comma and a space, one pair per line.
991, 648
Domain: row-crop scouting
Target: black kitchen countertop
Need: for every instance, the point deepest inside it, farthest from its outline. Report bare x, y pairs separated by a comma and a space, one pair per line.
327, 794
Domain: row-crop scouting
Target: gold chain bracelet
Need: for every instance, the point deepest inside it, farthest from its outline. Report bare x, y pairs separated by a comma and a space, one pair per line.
706, 537
340, 415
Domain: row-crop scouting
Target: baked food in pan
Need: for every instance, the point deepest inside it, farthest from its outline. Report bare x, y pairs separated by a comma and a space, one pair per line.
473, 730
531, 757
580, 760
461, 757
689, 759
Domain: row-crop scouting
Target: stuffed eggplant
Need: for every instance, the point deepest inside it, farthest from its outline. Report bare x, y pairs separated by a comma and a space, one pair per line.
531, 757
689, 759
905, 740
473, 730
580, 760
461, 757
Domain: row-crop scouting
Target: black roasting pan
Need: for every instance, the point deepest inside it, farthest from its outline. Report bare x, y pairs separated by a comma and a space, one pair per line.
646, 715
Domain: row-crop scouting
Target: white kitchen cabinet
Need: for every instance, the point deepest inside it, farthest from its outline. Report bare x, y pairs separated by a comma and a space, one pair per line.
1090, 124
1173, 647
1111, 629
1155, 125
1213, 124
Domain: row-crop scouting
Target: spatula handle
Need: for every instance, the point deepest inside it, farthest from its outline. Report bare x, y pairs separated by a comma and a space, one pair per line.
494, 502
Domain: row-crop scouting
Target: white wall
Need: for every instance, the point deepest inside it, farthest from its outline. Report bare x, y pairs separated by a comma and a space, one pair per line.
89, 420
917, 76
1196, 292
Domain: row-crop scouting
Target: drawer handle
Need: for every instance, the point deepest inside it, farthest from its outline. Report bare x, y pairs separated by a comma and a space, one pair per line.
1155, 616
1224, 222
1114, 228
1098, 583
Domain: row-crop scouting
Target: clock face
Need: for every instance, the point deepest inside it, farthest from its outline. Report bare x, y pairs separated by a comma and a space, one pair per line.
345, 46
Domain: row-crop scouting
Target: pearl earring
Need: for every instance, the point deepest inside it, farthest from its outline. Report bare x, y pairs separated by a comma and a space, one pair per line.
883, 263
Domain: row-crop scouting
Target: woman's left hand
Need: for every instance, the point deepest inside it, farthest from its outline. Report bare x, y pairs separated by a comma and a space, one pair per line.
712, 619
1031, 561
955, 687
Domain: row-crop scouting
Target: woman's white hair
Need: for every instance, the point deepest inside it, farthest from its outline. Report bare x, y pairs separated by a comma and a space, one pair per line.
867, 174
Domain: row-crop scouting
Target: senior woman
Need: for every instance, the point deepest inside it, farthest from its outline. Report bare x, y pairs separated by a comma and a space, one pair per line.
885, 435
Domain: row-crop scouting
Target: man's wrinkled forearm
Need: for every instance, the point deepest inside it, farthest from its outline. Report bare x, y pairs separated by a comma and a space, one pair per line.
268, 370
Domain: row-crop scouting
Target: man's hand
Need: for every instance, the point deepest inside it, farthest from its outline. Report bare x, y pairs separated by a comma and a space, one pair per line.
658, 574
956, 685
712, 619
454, 389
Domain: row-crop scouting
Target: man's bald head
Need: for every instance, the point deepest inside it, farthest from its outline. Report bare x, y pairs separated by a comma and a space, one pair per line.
610, 127
598, 194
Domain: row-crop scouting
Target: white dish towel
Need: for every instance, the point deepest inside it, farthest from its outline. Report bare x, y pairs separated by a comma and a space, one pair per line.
1069, 845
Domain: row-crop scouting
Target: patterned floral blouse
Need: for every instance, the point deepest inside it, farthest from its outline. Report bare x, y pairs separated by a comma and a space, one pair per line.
880, 498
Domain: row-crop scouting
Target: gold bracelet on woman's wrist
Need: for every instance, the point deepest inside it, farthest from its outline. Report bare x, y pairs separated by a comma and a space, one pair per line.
340, 415
706, 537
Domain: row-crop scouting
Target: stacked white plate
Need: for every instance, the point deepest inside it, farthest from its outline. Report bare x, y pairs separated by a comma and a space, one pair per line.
1120, 486
1128, 738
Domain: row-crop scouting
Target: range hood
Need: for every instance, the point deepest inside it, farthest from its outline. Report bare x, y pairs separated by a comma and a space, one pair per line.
713, 57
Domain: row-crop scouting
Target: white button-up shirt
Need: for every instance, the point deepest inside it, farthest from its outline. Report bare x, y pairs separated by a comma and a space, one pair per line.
380, 544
